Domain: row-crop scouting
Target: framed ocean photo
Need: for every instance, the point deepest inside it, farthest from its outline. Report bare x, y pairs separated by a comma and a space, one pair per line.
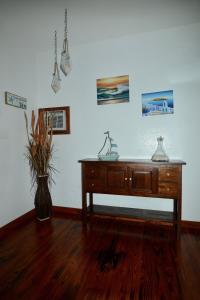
113, 90
157, 103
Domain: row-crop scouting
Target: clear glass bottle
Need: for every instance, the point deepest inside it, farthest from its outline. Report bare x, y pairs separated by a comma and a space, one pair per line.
160, 154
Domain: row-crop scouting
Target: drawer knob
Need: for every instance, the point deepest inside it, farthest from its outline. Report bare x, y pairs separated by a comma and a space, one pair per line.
130, 179
168, 189
168, 174
92, 184
125, 178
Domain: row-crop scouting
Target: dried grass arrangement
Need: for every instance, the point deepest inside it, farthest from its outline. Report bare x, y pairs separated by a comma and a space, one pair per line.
39, 150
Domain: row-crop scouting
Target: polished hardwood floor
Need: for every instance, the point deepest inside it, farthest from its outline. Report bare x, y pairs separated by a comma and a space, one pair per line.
62, 259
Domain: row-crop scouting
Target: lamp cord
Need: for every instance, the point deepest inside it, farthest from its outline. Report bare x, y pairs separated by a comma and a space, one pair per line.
55, 47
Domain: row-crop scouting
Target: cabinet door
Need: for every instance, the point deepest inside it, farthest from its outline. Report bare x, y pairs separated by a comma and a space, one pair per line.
116, 180
143, 180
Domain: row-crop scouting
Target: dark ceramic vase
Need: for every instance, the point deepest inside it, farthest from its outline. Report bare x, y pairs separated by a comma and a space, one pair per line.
43, 202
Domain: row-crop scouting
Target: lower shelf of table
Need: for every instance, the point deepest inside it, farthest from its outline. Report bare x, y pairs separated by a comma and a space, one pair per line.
134, 214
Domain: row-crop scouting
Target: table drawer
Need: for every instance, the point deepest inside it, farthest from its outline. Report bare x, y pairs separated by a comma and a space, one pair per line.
168, 174
168, 189
94, 172
94, 185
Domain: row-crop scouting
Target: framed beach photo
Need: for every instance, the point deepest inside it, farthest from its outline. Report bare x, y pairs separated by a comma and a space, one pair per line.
113, 90
59, 117
157, 103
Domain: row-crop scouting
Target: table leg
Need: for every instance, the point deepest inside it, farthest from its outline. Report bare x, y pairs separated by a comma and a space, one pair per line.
91, 202
175, 209
84, 206
177, 213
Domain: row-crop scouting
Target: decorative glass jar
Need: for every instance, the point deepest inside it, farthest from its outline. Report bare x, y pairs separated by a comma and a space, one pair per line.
160, 154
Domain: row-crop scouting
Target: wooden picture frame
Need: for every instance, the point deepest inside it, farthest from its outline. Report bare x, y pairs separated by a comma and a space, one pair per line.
60, 117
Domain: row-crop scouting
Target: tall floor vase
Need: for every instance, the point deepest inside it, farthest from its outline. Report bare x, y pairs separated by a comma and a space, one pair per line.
43, 202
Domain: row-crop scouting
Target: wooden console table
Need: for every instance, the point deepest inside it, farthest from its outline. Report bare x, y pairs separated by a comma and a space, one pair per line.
133, 178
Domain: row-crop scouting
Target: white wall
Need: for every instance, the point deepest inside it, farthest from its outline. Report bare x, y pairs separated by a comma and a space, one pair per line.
18, 63
159, 60
106, 39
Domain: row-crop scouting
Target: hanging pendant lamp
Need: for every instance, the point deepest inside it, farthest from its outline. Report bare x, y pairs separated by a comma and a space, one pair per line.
65, 64
56, 76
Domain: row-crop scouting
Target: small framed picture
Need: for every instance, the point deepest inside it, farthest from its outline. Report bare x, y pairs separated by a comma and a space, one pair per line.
112, 90
59, 118
14, 100
157, 103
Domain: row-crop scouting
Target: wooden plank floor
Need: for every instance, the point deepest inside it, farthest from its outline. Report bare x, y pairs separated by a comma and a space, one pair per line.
59, 259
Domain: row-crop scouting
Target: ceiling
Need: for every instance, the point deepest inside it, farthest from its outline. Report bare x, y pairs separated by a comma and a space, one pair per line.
91, 20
